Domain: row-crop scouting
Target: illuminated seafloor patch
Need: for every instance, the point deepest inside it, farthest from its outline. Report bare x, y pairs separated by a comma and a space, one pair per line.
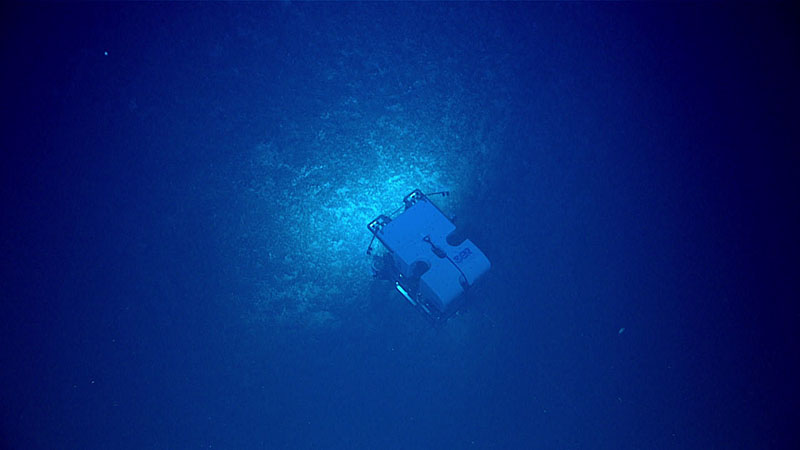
320, 176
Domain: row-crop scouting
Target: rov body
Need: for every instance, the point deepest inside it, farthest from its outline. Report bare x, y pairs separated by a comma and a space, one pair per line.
428, 269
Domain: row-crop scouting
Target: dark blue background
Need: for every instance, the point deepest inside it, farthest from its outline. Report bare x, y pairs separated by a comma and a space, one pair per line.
643, 175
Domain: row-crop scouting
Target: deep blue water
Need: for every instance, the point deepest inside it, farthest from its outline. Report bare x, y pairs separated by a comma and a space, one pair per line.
186, 188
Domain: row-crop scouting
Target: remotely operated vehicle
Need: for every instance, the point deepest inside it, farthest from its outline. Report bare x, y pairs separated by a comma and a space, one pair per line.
428, 267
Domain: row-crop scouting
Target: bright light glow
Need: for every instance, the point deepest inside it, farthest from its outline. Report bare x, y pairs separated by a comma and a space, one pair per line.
405, 294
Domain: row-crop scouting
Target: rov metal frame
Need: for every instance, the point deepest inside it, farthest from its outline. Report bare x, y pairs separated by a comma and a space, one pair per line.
408, 286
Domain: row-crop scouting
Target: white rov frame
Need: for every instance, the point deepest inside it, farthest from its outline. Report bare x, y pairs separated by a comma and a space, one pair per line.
428, 270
